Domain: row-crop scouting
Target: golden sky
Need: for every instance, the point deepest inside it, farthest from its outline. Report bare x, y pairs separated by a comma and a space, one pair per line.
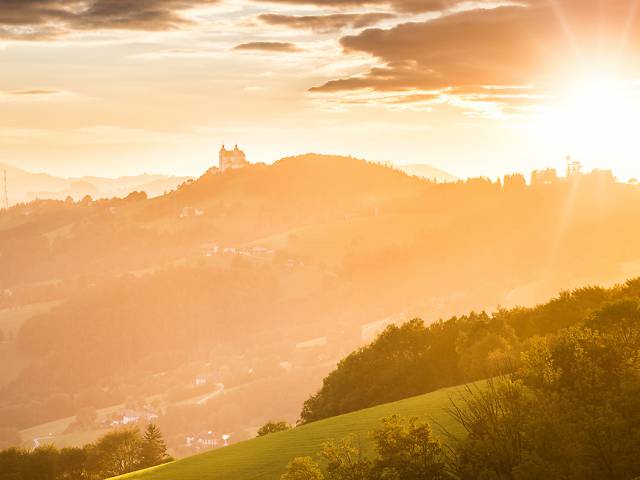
115, 87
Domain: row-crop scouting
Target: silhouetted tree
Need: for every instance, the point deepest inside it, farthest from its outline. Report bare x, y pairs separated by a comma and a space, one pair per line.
273, 427
153, 448
119, 452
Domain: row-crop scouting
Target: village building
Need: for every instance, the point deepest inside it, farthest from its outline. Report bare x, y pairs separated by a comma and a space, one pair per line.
127, 417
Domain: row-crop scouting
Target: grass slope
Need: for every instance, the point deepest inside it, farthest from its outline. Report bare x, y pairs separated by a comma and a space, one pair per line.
266, 458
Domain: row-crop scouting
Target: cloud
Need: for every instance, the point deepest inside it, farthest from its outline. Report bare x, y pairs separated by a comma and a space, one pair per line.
404, 6
32, 95
515, 45
326, 23
268, 47
35, 91
47, 19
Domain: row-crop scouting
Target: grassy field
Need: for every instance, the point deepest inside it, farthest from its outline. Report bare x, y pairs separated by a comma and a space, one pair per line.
11, 319
266, 458
55, 432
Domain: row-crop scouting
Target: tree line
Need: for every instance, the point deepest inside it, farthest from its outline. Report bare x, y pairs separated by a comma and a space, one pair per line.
413, 359
116, 453
570, 411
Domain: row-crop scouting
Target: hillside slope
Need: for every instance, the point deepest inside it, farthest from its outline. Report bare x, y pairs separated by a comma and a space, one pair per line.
428, 172
265, 458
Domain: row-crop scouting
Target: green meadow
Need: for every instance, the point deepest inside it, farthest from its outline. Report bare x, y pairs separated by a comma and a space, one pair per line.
266, 458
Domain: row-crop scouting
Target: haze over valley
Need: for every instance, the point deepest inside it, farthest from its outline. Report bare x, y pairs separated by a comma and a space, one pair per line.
319, 240
201, 306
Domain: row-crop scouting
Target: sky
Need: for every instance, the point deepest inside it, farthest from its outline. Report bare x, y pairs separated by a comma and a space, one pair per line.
115, 87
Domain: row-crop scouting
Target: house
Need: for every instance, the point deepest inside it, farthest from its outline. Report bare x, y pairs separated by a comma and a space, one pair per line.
261, 250
209, 249
191, 212
207, 439
128, 416
204, 440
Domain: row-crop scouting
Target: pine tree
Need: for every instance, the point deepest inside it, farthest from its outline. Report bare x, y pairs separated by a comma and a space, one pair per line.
154, 450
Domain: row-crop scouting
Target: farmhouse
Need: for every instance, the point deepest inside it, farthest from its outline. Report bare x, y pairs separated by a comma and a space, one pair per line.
127, 417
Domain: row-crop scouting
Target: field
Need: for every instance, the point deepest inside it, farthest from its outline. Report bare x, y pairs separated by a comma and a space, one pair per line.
54, 433
11, 319
266, 458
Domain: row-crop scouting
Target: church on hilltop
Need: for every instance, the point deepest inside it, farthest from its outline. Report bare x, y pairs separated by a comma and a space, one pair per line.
232, 158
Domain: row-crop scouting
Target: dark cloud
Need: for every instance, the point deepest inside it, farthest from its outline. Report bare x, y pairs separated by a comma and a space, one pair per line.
417, 98
326, 23
405, 6
35, 91
505, 46
43, 19
268, 47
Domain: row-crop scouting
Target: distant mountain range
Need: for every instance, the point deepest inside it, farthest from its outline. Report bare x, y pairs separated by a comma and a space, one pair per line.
428, 172
24, 186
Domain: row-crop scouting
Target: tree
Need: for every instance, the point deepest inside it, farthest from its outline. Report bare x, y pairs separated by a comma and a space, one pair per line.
548, 175
153, 449
407, 450
12, 463
492, 417
515, 181
41, 464
571, 411
302, 468
73, 464
620, 320
118, 452
9, 437
345, 461
273, 427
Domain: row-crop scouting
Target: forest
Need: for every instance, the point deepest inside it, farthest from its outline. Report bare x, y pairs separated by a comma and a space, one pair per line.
570, 409
412, 359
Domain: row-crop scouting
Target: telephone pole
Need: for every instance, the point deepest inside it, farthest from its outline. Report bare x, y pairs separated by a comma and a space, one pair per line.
5, 199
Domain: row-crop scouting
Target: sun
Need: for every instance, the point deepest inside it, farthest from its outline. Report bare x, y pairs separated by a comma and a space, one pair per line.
595, 118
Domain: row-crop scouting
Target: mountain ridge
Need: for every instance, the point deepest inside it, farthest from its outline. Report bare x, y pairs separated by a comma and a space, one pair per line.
25, 186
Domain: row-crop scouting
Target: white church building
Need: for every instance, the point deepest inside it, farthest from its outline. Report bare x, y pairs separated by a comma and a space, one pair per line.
232, 158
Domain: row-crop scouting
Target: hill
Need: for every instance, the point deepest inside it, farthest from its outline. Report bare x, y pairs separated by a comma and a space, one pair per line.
428, 172
266, 457
25, 186
265, 277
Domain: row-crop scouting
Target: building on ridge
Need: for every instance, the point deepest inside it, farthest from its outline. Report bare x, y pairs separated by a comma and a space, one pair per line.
232, 158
